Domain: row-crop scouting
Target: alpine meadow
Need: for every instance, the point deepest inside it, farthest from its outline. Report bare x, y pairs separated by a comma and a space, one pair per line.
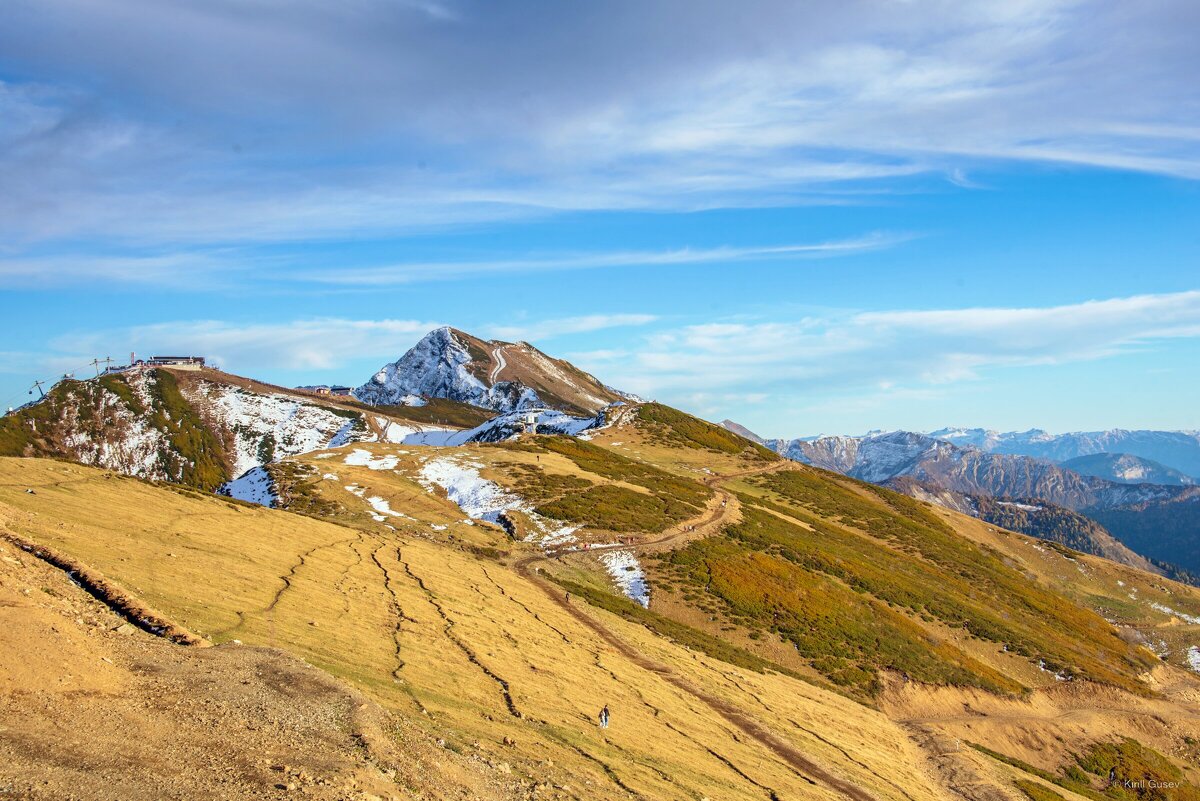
437, 399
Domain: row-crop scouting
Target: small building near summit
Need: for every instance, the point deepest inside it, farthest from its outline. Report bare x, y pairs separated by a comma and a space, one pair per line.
178, 362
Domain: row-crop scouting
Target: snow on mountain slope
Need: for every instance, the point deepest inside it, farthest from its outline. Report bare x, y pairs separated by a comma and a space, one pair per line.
254, 486
136, 423
501, 376
1127, 469
202, 429
115, 436
264, 428
1179, 450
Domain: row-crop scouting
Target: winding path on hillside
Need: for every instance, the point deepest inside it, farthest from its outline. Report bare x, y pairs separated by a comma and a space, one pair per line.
498, 357
735, 716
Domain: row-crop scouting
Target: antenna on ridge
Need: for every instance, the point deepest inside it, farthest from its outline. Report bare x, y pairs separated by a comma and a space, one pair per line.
96, 363
38, 386
107, 363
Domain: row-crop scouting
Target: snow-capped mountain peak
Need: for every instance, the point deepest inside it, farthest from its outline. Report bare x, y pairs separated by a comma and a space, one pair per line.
502, 376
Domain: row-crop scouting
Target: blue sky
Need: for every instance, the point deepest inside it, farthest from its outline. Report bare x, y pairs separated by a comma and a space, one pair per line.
807, 218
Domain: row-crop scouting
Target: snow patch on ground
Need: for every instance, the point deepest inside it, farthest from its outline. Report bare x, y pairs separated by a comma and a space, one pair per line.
254, 485
268, 427
1193, 658
479, 498
436, 437
1025, 507
1166, 610
486, 500
1057, 676
383, 510
360, 457
625, 570
550, 534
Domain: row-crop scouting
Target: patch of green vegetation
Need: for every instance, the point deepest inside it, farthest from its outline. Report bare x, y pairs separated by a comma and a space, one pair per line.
1081, 788
297, 489
1141, 772
678, 632
266, 448
617, 509
197, 456
671, 498
1037, 792
537, 486
675, 428
118, 386
19, 430
606, 463
1125, 771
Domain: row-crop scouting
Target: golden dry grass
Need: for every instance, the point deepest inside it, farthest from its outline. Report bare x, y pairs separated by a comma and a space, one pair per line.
441, 637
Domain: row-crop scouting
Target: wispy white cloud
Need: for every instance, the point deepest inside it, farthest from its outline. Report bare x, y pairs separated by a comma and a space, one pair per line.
890, 350
193, 271
254, 347
549, 329
443, 271
221, 268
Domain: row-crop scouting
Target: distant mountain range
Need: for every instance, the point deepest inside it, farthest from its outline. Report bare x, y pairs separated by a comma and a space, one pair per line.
1179, 450
1120, 491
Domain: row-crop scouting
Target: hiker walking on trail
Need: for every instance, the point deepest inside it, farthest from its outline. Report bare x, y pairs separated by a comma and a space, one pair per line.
604, 717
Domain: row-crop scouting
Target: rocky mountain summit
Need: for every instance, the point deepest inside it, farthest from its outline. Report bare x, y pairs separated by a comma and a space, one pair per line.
500, 376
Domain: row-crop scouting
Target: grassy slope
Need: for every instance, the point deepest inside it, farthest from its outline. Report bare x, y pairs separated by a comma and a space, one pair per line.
422, 626
1131, 598
830, 574
906, 586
